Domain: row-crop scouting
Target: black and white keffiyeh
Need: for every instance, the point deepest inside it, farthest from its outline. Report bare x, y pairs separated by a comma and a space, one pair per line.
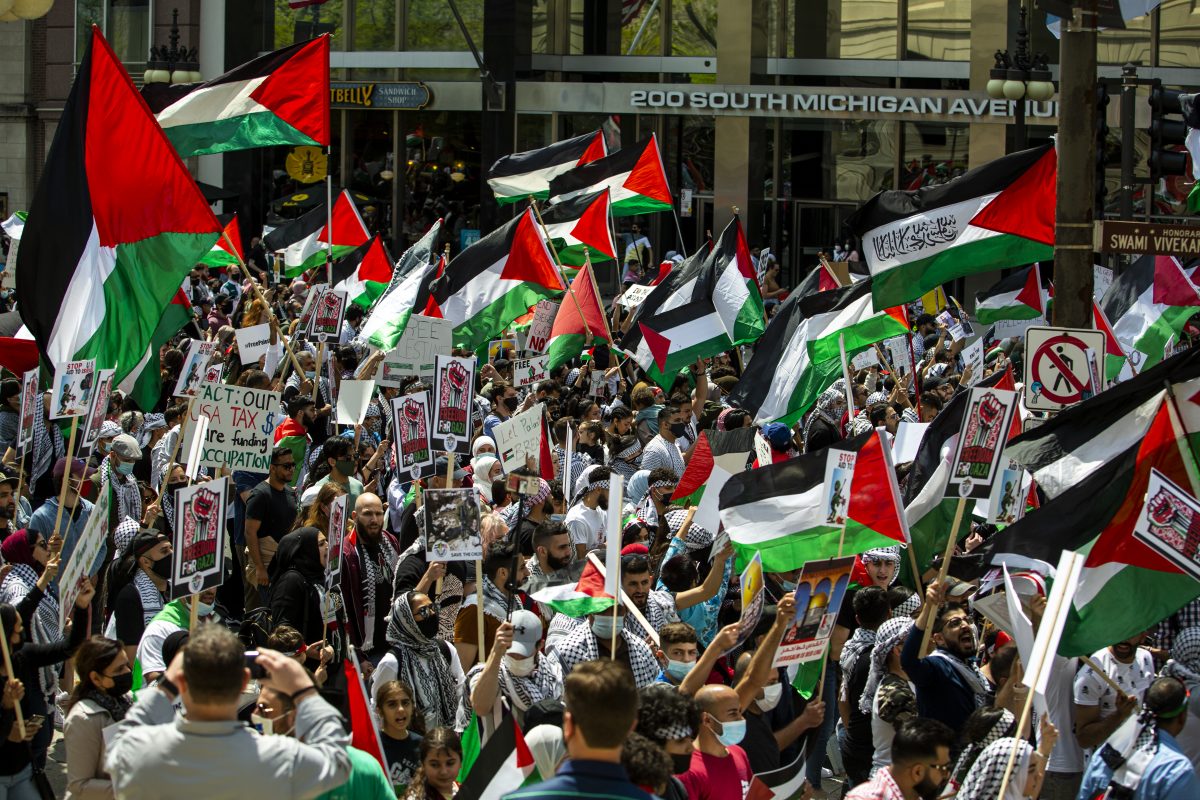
985, 778
421, 665
890, 635
862, 641
371, 571
580, 645
976, 681
1184, 664
829, 407
495, 602
123, 534
1004, 726
659, 610
697, 537
125, 490
148, 593
48, 447
44, 630
522, 691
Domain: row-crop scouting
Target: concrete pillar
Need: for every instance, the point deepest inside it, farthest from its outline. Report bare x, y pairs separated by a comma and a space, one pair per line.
741, 47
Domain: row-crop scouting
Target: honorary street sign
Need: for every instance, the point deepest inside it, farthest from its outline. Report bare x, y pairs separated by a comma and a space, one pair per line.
1058, 370
1140, 238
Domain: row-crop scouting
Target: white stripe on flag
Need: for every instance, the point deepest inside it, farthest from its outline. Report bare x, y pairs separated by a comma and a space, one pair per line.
766, 521
223, 101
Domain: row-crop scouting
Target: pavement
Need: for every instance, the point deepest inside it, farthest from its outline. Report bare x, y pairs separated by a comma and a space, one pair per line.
56, 764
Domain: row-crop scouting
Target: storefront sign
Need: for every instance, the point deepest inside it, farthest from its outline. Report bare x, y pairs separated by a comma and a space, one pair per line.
379, 95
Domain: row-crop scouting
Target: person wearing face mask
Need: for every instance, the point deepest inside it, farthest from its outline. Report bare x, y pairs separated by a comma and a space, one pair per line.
515, 672
684, 666
669, 720
139, 587
920, 767
293, 434
594, 640
116, 474
663, 450
505, 402
161, 515
626, 456
100, 698
109, 430
427, 664
153, 651
336, 460
499, 596
587, 519
773, 722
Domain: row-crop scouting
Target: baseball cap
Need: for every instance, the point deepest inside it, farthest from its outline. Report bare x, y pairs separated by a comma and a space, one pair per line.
8, 479
126, 446
527, 632
440, 464
79, 469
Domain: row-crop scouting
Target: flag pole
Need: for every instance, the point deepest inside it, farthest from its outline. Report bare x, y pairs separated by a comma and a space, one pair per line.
259, 295
329, 218
66, 480
558, 265
945, 568
8, 669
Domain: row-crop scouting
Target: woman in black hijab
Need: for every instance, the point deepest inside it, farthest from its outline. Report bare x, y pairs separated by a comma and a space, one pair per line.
297, 577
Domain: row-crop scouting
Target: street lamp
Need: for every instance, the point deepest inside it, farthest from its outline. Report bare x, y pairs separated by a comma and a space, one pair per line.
173, 64
1019, 76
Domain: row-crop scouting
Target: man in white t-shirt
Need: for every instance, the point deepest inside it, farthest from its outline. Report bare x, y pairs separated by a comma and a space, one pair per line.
1099, 708
587, 520
175, 616
1064, 771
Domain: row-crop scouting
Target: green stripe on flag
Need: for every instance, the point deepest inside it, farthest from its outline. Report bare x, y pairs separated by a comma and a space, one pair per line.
492, 319
638, 204
260, 129
471, 745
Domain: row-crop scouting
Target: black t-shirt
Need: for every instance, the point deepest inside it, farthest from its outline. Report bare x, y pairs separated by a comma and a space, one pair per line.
858, 732
274, 509
403, 757
412, 568
846, 617
523, 536
759, 742
129, 614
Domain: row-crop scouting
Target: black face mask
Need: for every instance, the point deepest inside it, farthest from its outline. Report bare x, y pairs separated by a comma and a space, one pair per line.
428, 626
176, 486
678, 429
122, 684
511, 403
162, 567
680, 764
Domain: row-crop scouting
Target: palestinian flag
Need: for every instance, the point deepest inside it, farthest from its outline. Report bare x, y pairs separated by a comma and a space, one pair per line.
144, 381
364, 735
1172, 286
115, 225
14, 226
364, 273
18, 349
500, 767
304, 239
634, 177
528, 174
581, 229
1019, 296
1095, 515
778, 510
576, 319
797, 357
1115, 357
384, 323
785, 783
676, 338
586, 597
717, 457
995, 216
494, 281
221, 255
928, 511
1142, 325
279, 98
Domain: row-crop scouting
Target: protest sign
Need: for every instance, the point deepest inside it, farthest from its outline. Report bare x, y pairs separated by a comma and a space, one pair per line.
539, 329
972, 356
424, 338
310, 302
1008, 328
452, 525
1169, 523
634, 295
752, 599
953, 326
908, 441
31, 400
762, 450
519, 437
819, 594
195, 365
864, 360
898, 355
253, 342
597, 384
84, 558
99, 409
352, 401
335, 536
241, 424
198, 562
327, 315
1006, 503
453, 404
502, 348
839, 474
529, 371
1102, 278
71, 392
411, 434
981, 441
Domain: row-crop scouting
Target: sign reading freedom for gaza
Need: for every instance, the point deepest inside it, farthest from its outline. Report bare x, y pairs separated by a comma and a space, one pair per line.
241, 425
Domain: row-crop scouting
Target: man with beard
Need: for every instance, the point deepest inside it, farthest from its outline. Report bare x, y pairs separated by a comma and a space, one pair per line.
659, 606
920, 766
8, 505
293, 432
552, 554
949, 683
588, 518
497, 598
1100, 709
369, 556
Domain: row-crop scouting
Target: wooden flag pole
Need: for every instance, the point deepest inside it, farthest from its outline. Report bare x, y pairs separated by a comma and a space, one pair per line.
175, 450
259, 295
945, 568
1101, 674
317, 371
66, 479
8, 669
558, 265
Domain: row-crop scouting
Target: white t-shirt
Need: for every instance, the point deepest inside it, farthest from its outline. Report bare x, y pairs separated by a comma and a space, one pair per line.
586, 526
149, 651
388, 669
1067, 755
1133, 678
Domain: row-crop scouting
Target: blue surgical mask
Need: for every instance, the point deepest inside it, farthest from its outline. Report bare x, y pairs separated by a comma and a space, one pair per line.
557, 517
205, 609
732, 732
788, 586
125, 467
603, 626
679, 669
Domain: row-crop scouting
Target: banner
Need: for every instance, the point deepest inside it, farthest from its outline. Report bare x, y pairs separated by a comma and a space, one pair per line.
71, 392
453, 404
327, 316
199, 558
99, 409
195, 367
85, 557
31, 400
411, 435
424, 339
981, 442
253, 343
539, 329
352, 401
452, 525
531, 371
819, 594
519, 437
241, 424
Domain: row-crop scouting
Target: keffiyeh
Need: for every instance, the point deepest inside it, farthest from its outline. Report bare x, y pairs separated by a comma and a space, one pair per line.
48, 447
1003, 727
1184, 663
890, 635
125, 490
421, 664
830, 406
697, 537
976, 681
523, 691
983, 783
370, 574
124, 533
580, 646
44, 630
862, 641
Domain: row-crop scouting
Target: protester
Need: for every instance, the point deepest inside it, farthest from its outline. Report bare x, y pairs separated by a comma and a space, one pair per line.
1099, 708
298, 582
441, 759
401, 745
270, 512
516, 672
949, 683
427, 664
100, 699
368, 575
920, 768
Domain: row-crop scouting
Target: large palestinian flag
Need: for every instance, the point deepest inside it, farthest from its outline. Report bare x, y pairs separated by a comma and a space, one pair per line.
580, 313
797, 357
385, 322
115, 225
1142, 324
279, 98
778, 510
634, 176
144, 381
717, 457
995, 216
494, 281
528, 174
222, 255
581, 229
364, 273
585, 597
1018, 296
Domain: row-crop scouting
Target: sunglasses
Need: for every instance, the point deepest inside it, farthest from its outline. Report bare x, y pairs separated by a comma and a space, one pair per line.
285, 464
424, 613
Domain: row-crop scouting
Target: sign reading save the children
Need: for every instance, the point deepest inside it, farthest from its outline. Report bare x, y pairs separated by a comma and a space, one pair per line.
241, 424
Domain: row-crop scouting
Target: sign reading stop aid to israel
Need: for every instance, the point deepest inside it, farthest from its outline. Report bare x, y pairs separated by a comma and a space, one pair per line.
1061, 366
981, 441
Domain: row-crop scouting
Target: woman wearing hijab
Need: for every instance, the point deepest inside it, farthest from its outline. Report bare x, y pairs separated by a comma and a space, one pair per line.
486, 468
415, 656
297, 575
824, 426
1029, 768
33, 572
100, 699
139, 587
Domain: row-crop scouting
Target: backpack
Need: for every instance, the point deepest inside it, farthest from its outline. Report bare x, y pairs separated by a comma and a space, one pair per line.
256, 628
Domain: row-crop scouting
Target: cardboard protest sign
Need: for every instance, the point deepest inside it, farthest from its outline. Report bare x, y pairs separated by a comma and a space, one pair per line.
352, 401
327, 315
819, 594
83, 559
972, 356
335, 536
908, 441
71, 392
310, 302
597, 384
242, 422
411, 433
898, 355
502, 348
981, 442
864, 360
195, 365
452, 525
519, 437
1006, 503
253, 342
424, 338
530, 371
839, 474
453, 404
31, 400
752, 598
1169, 523
539, 329
954, 327
199, 558
634, 295
99, 409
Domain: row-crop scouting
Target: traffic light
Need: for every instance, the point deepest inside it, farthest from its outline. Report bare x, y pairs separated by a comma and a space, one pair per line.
1101, 149
1166, 135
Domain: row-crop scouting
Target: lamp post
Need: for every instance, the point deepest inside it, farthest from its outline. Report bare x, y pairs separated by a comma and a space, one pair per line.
1019, 76
173, 64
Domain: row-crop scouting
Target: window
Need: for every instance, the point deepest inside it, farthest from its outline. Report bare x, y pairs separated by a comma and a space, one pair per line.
127, 25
